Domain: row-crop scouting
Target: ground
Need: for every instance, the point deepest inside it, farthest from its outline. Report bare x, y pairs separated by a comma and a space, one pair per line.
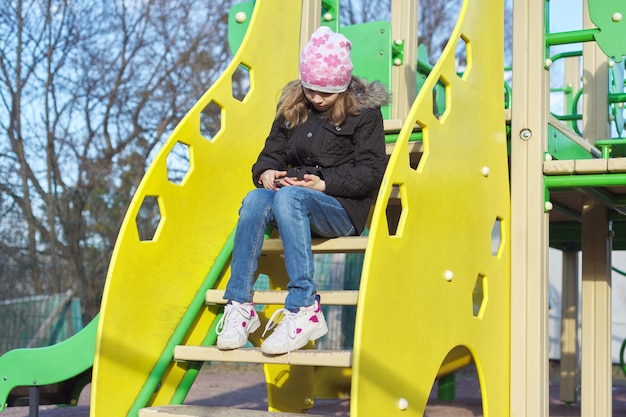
243, 386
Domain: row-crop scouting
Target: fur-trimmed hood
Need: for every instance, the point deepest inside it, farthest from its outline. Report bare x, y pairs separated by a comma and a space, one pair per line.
369, 95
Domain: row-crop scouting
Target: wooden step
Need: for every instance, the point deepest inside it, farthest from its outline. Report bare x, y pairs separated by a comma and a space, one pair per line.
395, 125
336, 298
584, 166
347, 244
310, 357
414, 148
199, 411
344, 244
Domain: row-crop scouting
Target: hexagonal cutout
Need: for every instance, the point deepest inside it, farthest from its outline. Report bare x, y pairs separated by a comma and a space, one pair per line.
479, 296
496, 237
395, 210
241, 82
148, 218
440, 98
211, 120
462, 57
178, 163
419, 155
416, 147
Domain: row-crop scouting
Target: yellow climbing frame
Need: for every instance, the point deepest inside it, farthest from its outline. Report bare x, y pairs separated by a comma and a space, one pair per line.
151, 283
436, 287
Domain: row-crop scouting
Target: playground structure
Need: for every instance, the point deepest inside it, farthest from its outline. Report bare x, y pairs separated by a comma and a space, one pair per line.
417, 179
449, 188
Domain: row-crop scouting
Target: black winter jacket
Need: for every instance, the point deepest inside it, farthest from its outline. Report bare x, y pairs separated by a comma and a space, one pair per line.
350, 158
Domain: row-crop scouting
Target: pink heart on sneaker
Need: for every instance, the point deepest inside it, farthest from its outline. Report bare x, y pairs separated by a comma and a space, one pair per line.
314, 319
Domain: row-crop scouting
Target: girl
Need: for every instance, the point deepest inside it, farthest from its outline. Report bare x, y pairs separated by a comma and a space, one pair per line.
322, 162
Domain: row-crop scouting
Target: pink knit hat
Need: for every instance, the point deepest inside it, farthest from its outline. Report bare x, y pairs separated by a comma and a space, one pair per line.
325, 62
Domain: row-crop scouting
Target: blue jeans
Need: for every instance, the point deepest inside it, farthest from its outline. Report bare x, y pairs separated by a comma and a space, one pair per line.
297, 212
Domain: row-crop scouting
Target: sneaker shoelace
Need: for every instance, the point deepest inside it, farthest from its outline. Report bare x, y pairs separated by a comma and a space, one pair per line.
286, 326
230, 318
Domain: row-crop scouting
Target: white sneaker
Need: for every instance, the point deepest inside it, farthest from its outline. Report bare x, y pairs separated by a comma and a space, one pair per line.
238, 321
295, 330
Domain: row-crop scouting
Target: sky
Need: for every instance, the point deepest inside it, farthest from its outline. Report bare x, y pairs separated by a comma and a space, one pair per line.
565, 15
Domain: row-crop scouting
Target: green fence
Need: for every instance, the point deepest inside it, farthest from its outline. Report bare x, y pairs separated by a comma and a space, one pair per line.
38, 321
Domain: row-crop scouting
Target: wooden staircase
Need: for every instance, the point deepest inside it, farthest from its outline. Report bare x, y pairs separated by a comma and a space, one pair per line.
310, 357
307, 357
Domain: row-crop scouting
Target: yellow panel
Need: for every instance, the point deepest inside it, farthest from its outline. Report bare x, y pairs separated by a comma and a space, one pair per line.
287, 386
150, 284
412, 313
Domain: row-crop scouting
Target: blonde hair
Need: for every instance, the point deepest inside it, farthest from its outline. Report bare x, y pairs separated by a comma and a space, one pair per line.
295, 108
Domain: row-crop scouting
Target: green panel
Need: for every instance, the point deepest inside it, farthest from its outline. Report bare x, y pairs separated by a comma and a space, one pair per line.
371, 53
610, 37
237, 30
330, 14
446, 387
423, 69
567, 236
561, 147
423, 66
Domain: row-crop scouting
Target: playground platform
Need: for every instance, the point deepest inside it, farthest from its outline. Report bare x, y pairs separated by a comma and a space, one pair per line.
242, 386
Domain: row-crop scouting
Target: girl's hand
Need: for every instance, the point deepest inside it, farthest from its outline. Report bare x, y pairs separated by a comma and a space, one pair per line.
272, 179
310, 181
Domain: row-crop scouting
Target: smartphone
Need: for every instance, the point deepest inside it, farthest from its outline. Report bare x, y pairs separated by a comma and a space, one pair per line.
277, 180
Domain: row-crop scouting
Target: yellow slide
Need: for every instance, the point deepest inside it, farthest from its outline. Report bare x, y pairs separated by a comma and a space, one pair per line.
152, 283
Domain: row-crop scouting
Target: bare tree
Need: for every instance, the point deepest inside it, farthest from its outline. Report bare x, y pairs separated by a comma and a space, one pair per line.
436, 19
88, 90
360, 11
